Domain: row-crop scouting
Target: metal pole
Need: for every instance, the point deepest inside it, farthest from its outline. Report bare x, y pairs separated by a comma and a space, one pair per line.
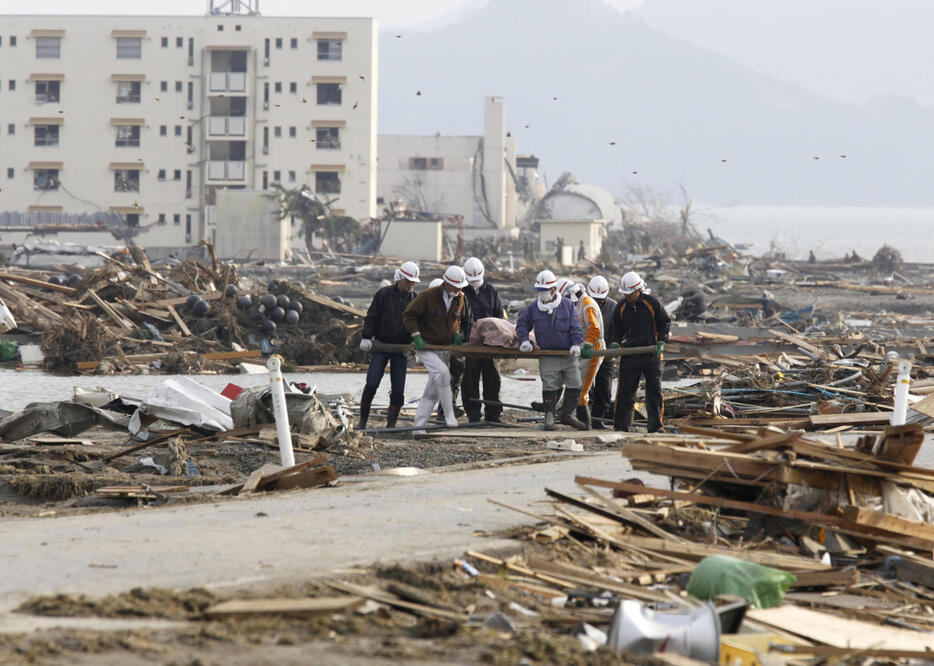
277, 388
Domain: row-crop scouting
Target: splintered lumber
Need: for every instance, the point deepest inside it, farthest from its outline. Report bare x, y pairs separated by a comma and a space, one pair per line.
855, 418
310, 478
797, 340
109, 311
840, 632
309, 607
861, 653
889, 523
714, 433
326, 302
178, 320
835, 578
770, 441
619, 514
389, 600
698, 551
32, 282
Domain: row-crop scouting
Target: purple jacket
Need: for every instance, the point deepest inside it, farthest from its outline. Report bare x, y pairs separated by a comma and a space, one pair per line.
559, 330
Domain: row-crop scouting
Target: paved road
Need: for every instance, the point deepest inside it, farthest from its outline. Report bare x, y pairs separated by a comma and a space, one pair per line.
279, 538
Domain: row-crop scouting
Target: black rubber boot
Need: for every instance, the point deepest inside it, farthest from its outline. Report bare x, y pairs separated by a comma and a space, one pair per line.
571, 397
364, 415
583, 415
392, 416
549, 398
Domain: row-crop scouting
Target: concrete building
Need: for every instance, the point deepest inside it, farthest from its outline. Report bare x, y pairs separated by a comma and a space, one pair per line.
575, 215
147, 117
470, 176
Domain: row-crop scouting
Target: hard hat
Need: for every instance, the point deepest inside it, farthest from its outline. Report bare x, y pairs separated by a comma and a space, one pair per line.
473, 269
545, 280
437, 282
630, 282
409, 271
563, 284
598, 287
575, 292
454, 276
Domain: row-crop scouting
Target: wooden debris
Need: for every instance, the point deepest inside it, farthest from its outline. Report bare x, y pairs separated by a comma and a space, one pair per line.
308, 607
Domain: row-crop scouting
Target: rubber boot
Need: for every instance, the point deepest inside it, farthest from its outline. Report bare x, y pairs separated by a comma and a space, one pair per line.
447, 403
364, 415
422, 413
571, 397
549, 398
596, 421
392, 416
583, 415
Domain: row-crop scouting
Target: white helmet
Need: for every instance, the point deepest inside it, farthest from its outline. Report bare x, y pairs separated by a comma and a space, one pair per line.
598, 287
454, 276
563, 284
545, 281
575, 292
473, 269
630, 282
407, 271
437, 282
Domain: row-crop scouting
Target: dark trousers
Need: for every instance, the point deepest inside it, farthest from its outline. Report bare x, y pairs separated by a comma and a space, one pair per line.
601, 393
475, 370
631, 370
457, 371
374, 375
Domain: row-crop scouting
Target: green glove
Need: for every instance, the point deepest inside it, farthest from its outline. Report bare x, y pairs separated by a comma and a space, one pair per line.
418, 342
587, 350
458, 339
614, 345
659, 348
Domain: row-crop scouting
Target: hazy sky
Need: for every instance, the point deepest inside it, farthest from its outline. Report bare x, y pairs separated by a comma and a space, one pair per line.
389, 13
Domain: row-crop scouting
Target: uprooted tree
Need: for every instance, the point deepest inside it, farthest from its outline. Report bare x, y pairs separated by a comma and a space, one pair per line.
314, 215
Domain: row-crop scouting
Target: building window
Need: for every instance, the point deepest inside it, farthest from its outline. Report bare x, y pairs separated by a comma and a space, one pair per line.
330, 49
10, 172
12, 84
179, 42
188, 228
292, 132
126, 180
178, 130
293, 43
132, 219
328, 138
128, 92
11, 128
278, 87
266, 95
237, 27
48, 91
176, 219
165, 45
12, 40
418, 163
329, 93
266, 140
291, 176
191, 51
46, 135
278, 42
188, 184
277, 131
160, 175
48, 47
129, 47
178, 86
177, 174
161, 218
276, 176
327, 182
191, 94
163, 86
265, 180
163, 130
45, 179
127, 135
293, 87
220, 27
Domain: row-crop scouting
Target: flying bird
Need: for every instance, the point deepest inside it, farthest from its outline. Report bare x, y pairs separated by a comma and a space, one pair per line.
362, 77
508, 133
304, 101
555, 98
634, 172
815, 157
398, 36
418, 93
355, 105
526, 127
612, 143
843, 156
723, 160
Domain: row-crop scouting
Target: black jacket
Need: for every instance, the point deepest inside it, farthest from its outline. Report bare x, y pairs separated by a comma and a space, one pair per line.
483, 302
640, 324
384, 317
607, 310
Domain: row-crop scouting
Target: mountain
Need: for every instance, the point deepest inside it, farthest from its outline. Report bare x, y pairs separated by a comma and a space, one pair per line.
585, 76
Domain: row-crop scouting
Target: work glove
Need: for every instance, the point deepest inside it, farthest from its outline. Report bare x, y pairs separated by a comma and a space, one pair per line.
458, 339
614, 345
659, 348
418, 342
575, 351
525, 346
587, 350
366, 345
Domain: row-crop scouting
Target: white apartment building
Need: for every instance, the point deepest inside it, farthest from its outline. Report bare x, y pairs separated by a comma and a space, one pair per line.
141, 119
471, 176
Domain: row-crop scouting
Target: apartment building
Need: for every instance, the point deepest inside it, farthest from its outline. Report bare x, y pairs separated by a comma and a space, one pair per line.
142, 119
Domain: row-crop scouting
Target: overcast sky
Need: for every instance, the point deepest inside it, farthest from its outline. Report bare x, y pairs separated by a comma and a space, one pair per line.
389, 13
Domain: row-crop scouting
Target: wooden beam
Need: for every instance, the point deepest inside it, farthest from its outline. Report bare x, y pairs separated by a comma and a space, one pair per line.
32, 282
178, 320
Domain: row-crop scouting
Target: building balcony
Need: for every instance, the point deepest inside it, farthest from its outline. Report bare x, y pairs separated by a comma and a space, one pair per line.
226, 170
226, 126
227, 82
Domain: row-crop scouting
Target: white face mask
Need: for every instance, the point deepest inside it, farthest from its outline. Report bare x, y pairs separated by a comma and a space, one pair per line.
476, 284
545, 297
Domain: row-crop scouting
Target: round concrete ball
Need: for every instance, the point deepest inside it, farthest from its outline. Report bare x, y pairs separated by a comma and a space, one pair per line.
269, 326
297, 306
245, 302
277, 314
190, 302
72, 279
283, 301
292, 317
200, 308
230, 291
268, 301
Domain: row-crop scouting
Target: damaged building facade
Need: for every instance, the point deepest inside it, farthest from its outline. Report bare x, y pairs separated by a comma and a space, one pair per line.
128, 126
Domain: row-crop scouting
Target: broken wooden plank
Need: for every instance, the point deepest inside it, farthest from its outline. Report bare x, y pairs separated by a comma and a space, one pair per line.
310, 478
798, 341
178, 320
854, 418
324, 301
252, 481
32, 282
383, 598
307, 607
888, 522
109, 311
770, 441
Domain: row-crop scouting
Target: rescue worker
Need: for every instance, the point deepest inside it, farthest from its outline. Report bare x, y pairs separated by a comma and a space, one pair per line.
556, 327
638, 321
456, 365
591, 320
383, 321
484, 302
601, 394
434, 318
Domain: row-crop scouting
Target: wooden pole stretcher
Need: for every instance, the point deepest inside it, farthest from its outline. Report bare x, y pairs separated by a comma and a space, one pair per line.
482, 351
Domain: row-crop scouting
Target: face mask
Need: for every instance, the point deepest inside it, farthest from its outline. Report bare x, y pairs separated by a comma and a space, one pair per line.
476, 284
545, 297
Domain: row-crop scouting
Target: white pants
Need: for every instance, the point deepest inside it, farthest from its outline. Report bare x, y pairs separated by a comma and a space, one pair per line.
438, 387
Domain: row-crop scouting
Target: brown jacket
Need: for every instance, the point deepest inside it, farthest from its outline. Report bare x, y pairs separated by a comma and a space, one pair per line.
428, 316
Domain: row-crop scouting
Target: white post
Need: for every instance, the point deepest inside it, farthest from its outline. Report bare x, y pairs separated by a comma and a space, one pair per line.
901, 393
277, 387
